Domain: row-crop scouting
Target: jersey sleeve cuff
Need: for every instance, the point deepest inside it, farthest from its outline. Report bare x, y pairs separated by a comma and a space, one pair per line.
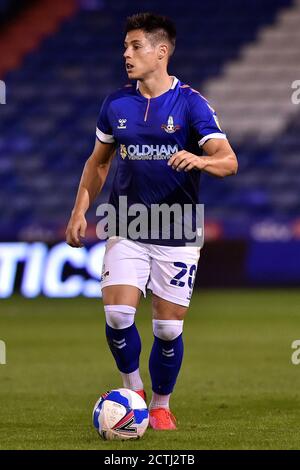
216, 135
105, 138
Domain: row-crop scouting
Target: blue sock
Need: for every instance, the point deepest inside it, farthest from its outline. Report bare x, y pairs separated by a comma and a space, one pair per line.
125, 345
164, 364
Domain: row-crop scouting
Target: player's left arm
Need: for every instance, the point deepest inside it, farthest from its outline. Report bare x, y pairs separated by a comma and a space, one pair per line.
220, 160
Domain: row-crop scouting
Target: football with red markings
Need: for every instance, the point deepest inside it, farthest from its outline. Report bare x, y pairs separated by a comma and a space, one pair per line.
120, 414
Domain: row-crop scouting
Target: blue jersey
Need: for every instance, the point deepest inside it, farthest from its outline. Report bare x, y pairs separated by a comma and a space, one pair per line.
147, 132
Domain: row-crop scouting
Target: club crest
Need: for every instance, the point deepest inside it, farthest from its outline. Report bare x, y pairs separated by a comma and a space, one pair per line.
170, 128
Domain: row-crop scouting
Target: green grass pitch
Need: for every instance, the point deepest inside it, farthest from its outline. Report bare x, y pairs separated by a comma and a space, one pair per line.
238, 388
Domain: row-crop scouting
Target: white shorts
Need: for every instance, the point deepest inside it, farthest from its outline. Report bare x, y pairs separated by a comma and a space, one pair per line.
168, 271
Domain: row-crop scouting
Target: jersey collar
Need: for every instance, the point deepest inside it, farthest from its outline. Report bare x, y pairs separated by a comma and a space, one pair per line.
175, 81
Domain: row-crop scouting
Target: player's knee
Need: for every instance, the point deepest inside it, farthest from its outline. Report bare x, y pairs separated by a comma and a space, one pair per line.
167, 330
119, 316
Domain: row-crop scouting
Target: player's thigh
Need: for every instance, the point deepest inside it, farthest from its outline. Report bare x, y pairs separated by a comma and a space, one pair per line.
173, 271
125, 272
121, 295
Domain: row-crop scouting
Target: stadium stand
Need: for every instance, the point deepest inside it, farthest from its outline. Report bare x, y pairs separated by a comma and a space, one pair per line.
225, 49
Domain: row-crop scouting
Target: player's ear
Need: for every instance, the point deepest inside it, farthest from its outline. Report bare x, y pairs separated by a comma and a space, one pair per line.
162, 51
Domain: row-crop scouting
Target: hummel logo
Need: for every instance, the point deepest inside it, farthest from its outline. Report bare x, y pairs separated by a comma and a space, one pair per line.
119, 344
122, 123
168, 352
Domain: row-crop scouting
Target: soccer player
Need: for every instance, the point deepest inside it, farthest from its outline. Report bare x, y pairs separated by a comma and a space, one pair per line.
163, 134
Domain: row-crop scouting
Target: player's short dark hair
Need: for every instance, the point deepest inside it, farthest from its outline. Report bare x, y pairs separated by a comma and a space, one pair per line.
159, 27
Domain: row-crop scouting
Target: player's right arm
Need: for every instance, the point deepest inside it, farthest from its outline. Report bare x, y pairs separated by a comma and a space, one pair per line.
92, 180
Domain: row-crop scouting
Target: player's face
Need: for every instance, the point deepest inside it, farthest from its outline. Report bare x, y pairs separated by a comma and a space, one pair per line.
141, 56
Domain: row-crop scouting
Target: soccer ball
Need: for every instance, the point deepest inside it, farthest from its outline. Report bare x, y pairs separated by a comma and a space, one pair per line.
120, 414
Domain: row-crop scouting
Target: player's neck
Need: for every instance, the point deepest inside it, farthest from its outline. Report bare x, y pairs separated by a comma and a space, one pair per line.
155, 85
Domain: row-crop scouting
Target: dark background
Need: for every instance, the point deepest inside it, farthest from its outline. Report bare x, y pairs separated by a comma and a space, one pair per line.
60, 59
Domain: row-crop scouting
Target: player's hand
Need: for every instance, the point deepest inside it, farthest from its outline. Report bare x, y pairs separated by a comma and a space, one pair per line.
185, 161
76, 230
